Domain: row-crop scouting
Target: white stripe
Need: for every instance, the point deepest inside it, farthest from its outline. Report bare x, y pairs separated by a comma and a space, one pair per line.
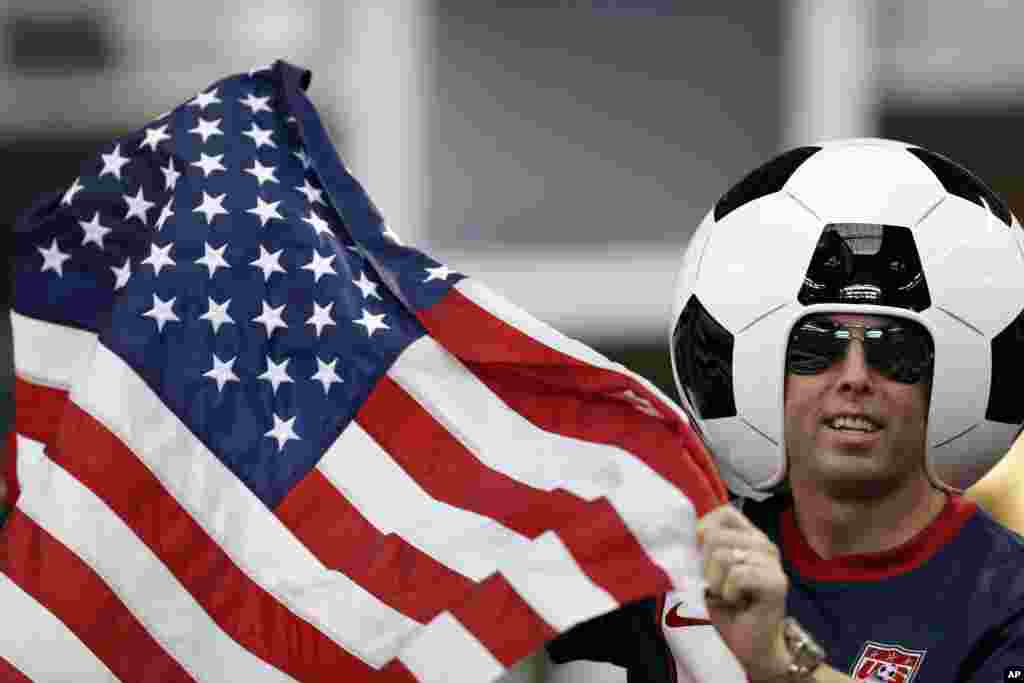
543, 333
49, 354
506, 311
393, 502
497, 435
83, 523
549, 579
659, 516
39, 645
446, 651
255, 540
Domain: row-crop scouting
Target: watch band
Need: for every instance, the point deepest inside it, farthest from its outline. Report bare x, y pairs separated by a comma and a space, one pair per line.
805, 652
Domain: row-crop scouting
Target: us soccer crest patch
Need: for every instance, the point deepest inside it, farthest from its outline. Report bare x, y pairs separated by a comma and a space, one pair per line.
884, 663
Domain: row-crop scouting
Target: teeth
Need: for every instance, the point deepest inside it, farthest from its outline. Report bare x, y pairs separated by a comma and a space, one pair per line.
850, 422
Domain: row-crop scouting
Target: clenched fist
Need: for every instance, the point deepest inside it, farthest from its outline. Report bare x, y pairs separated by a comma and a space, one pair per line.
746, 590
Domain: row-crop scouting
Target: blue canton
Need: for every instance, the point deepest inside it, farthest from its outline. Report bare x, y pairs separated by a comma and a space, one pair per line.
226, 254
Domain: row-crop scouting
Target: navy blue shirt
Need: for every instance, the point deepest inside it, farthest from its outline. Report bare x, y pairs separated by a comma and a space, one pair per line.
948, 605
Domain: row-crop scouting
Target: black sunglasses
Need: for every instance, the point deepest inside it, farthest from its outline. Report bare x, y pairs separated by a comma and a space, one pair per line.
901, 351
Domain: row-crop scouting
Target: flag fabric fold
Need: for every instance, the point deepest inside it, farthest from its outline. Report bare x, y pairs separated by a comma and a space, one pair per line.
259, 438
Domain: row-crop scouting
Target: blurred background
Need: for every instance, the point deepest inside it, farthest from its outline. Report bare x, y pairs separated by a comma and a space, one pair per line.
562, 151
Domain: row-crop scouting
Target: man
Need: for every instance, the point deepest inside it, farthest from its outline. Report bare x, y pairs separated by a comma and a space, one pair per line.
850, 553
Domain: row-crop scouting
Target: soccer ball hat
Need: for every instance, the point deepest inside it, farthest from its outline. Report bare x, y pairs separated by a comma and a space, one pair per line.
868, 226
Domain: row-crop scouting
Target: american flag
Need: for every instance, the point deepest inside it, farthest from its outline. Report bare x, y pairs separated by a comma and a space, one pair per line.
260, 439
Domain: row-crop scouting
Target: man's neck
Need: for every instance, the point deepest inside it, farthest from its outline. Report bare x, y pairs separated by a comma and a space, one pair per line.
843, 527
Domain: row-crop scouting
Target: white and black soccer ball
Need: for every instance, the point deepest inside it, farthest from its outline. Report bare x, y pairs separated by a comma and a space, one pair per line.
885, 673
866, 226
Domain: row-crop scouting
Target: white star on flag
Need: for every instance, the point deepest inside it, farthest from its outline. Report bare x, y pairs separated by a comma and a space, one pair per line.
276, 374
257, 104
162, 312
213, 258
122, 274
367, 286
304, 158
325, 374
319, 224
211, 207
170, 174
222, 372
265, 210
137, 206
206, 128
320, 265
205, 99
69, 195
53, 258
165, 213
268, 263
261, 136
217, 314
282, 432
159, 257
154, 136
271, 318
440, 273
94, 232
321, 317
113, 162
262, 173
209, 164
371, 322
312, 194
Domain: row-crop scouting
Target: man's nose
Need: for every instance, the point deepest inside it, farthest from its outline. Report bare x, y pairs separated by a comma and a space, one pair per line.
854, 374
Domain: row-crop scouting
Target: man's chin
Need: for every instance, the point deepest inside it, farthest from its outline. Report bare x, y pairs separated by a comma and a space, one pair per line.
856, 477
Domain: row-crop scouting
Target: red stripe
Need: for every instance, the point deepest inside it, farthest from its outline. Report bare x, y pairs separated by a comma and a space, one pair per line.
62, 583
499, 617
38, 409
8, 674
244, 611
563, 395
400, 575
592, 531
406, 578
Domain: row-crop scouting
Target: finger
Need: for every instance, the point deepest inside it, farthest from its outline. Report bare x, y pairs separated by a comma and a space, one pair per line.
730, 538
740, 585
719, 562
723, 517
751, 582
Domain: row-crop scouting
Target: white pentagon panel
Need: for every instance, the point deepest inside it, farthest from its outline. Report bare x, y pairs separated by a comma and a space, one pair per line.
963, 368
738, 447
866, 183
737, 289
758, 363
688, 271
864, 142
960, 237
972, 454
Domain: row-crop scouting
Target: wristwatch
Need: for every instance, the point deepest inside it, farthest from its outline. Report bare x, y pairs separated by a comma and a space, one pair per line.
805, 652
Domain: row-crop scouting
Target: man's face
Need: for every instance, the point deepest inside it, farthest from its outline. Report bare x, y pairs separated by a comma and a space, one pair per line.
837, 456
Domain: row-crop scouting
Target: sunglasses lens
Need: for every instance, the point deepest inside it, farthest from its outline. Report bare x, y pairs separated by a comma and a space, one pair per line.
812, 349
902, 353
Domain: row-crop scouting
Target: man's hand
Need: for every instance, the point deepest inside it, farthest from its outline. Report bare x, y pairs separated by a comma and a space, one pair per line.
746, 590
